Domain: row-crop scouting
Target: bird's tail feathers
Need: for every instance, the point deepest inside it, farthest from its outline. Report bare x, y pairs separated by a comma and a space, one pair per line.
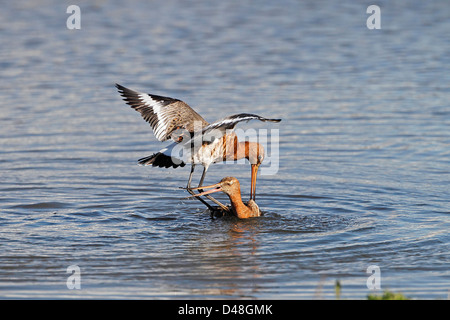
161, 160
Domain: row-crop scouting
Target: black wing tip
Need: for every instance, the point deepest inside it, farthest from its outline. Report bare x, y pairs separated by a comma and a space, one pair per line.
126, 93
268, 119
161, 160
121, 88
124, 90
131, 97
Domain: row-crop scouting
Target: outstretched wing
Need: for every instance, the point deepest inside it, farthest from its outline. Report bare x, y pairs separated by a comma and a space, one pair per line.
217, 129
164, 114
231, 121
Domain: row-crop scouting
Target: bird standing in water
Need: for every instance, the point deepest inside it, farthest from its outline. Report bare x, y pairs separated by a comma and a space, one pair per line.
195, 141
231, 187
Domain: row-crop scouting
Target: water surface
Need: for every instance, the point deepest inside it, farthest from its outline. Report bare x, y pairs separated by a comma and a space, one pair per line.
363, 174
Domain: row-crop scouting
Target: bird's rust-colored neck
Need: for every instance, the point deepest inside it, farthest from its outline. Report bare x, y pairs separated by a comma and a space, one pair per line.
252, 151
241, 210
236, 150
238, 207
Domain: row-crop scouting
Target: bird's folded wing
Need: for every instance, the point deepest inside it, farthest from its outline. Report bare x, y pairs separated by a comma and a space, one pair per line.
164, 114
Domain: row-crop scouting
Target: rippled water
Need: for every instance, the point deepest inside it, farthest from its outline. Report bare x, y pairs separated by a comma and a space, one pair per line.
364, 146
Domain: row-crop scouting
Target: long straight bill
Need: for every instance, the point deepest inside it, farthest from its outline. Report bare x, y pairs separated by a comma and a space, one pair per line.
216, 186
253, 181
207, 187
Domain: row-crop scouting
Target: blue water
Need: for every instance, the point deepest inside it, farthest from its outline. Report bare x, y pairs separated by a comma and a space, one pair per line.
364, 149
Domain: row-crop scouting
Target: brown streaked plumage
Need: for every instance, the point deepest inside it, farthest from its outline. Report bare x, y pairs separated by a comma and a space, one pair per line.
164, 114
195, 140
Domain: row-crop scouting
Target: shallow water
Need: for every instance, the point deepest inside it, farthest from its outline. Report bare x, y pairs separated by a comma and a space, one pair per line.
363, 175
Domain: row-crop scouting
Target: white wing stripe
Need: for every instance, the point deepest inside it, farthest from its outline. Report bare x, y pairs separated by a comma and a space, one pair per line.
150, 102
161, 125
160, 130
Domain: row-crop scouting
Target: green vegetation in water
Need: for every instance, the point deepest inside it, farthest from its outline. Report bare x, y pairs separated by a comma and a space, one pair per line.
337, 289
387, 295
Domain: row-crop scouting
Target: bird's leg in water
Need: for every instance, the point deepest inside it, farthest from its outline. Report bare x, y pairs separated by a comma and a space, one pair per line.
188, 188
221, 205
